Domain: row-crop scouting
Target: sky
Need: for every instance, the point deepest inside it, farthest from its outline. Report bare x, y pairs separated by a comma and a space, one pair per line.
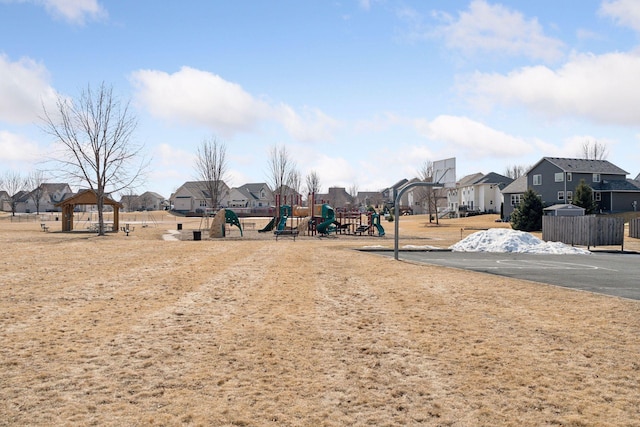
362, 92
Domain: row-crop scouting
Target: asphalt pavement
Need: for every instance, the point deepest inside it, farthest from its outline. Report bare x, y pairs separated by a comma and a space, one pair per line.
616, 274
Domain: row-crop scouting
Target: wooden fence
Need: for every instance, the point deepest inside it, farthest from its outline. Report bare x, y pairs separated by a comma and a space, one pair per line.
583, 230
634, 228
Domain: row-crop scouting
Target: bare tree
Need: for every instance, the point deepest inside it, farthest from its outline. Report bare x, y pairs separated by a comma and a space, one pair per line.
593, 150
95, 134
353, 193
14, 183
211, 165
515, 171
427, 195
35, 181
281, 170
295, 184
313, 182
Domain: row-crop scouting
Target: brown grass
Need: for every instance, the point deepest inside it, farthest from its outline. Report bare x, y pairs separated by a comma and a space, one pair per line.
136, 330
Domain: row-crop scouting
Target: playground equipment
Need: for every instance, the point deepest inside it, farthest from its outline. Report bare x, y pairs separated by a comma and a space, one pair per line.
320, 218
224, 216
374, 219
328, 215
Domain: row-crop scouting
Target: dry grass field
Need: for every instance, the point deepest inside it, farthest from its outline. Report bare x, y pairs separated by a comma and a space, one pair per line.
143, 331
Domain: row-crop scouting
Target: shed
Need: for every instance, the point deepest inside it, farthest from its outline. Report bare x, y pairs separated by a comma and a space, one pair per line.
87, 197
564, 210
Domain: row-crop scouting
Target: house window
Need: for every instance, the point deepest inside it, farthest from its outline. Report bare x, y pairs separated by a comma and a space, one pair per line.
537, 179
569, 195
516, 199
596, 177
560, 195
597, 196
569, 176
203, 203
559, 177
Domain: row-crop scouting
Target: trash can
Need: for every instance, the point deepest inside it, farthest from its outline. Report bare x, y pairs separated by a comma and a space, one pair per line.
179, 226
197, 235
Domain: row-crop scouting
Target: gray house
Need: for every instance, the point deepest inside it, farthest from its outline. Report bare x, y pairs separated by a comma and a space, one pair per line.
194, 196
555, 179
251, 196
147, 201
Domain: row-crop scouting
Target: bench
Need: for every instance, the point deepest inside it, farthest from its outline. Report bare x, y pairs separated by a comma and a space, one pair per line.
362, 229
44, 227
286, 233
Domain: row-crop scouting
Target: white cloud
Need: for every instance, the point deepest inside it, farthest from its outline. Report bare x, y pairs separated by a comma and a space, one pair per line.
313, 125
198, 97
625, 12
334, 171
498, 29
603, 88
73, 11
165, 155
17, 148
24, 88
473, 138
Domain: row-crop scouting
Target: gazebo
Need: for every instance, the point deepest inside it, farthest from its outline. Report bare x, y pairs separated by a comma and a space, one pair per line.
86, 197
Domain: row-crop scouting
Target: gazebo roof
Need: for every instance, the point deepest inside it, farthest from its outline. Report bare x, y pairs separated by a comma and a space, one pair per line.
87, 197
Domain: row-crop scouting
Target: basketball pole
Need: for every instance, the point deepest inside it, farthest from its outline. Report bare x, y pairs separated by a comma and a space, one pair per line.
396, 209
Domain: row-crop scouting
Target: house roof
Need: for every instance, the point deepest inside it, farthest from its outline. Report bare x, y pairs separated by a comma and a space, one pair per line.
583, 165
563, 206
399, 184
152, 194
616, 185
86, 197
199, 188
518, 186
495, 178
469, 179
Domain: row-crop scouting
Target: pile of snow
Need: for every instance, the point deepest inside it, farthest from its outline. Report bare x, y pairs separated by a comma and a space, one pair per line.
506, 240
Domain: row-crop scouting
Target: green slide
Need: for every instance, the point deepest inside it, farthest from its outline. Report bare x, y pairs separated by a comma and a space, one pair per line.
269, 226
230, 217
329, 216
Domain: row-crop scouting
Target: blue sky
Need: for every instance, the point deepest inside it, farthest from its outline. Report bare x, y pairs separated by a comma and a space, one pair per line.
361, 91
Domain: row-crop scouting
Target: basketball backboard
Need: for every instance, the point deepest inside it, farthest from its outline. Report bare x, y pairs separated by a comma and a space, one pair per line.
444, 172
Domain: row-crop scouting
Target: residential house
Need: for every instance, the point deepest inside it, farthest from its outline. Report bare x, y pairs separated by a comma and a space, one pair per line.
364, 199
19, 202
389, 194
512, 196
47, 195
251, 196
554, 179
416, 199
5, 201
478, 193
147, 201
195, 197
288, 196
337, 197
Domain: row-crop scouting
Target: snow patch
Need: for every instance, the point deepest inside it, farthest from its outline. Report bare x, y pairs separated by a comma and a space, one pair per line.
506, 240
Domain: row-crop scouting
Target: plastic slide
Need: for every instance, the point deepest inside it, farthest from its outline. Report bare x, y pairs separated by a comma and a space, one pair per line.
270, 225
230, 217
376, 222
329, 216
282, 223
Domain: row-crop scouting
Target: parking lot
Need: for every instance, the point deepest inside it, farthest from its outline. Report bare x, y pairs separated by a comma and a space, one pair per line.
616, 274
